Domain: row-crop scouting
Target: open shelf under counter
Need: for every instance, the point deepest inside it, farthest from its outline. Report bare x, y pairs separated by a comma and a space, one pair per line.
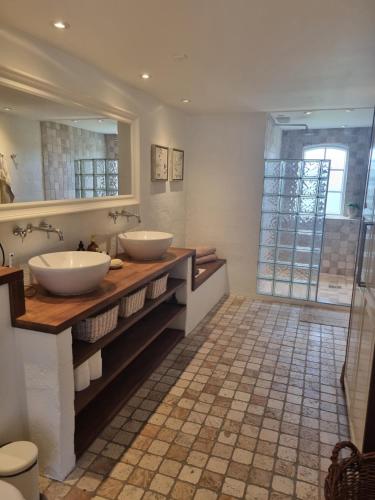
97, 414
84, 350
122, 351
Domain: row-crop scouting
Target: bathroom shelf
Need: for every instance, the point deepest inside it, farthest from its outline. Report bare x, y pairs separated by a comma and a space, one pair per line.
96, 415
121, 352
84, 350
209, 269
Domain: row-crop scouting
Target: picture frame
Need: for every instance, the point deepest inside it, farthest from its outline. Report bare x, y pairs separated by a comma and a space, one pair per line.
159, 162
177, 165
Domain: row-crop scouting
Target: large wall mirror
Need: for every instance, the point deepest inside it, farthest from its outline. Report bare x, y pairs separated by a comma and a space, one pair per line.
52, 152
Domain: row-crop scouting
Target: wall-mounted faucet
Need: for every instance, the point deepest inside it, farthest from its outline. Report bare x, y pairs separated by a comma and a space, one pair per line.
124, 213
43, 226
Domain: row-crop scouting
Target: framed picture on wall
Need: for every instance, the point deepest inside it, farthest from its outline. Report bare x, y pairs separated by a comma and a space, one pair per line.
177, 165
159, 163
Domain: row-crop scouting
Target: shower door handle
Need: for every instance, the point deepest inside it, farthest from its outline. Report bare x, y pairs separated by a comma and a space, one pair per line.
361, 253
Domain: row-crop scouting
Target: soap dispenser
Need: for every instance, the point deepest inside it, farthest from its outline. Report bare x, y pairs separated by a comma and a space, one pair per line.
93, 247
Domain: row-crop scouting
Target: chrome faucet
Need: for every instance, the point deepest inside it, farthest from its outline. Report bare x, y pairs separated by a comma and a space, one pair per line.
124, 213
47, 228
127, 214
22, 232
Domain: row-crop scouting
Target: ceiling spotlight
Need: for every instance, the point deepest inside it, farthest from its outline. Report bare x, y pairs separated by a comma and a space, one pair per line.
343, 126
185, 101
145, 76
100, 120
75, 121
308, 112
7, 108
348, 110
61, 25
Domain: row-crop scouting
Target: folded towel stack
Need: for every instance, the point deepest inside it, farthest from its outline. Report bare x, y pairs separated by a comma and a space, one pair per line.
205, 254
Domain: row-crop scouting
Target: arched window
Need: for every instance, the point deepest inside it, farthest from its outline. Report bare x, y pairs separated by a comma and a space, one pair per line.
337, 175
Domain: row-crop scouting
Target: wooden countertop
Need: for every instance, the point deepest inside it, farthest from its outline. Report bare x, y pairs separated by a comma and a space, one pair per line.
9, 274
52, 314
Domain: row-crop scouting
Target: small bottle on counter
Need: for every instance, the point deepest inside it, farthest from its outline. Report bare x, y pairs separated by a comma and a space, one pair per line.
81, 246
93, 247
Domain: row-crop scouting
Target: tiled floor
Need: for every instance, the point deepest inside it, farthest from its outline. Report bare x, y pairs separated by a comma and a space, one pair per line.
335, 289
248, 406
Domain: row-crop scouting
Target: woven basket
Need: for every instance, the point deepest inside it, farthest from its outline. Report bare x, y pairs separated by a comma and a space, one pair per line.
92, 329
132, 303
350, 478
157, 287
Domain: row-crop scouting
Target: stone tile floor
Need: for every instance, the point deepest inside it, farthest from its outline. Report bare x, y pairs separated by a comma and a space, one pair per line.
248, 406
335, 289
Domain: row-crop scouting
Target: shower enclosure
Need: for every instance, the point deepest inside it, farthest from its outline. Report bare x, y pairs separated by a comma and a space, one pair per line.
292, 226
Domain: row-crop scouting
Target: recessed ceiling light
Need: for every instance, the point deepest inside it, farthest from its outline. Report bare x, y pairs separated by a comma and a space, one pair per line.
185, 101
145, 76
100, 120
343, 126
61, 25
75, 121
7, 109
348, 110
308, 112
180, 57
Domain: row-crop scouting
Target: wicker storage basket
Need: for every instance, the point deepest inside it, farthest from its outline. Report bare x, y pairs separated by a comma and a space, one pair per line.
350, 478
157, 287
92, 329
132, 303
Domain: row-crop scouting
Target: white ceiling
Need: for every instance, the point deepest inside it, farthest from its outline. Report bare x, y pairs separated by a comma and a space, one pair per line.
36, 108
326, 118
243, 55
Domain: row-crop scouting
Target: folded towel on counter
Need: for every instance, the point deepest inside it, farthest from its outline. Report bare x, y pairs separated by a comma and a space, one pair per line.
203, 251
206, 258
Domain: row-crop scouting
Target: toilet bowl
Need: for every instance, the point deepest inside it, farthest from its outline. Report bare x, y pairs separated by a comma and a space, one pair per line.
19, 468
9, 492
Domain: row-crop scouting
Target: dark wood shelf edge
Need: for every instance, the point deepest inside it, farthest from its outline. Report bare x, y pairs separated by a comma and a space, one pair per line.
93, 419
210, 269
84, 398
84, 350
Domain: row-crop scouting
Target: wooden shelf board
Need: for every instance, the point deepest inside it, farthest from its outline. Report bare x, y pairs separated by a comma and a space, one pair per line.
84, 350
92, 420
53, 314
126, 348
210, 269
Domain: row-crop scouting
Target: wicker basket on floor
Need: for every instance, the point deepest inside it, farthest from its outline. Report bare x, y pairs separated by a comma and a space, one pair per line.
94, 328
350, 478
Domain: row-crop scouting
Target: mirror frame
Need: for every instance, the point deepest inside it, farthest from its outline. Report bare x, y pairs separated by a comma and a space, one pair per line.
41, 209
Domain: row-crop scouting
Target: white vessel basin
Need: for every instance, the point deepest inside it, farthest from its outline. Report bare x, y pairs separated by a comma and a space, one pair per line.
145, 245
70, 273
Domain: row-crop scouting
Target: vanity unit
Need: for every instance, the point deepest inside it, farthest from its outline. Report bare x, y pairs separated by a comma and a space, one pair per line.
63, 422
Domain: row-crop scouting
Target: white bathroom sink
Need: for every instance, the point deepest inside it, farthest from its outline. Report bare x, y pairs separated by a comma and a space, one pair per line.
145, 245
70, 273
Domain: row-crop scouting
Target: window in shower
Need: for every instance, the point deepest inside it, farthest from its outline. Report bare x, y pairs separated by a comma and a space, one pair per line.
96, 177
338, 156
292, 223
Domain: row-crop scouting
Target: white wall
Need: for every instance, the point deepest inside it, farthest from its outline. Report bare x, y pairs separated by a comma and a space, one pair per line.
21, 136
224, 191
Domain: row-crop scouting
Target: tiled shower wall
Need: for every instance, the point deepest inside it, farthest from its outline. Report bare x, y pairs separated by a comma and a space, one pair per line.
61, 145
339, 246
356, 139
340, 235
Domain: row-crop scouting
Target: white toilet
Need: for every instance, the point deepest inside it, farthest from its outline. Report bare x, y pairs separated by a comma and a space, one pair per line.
9, 492
19, 470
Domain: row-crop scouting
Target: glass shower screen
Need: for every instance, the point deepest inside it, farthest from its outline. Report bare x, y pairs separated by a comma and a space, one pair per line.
292, 224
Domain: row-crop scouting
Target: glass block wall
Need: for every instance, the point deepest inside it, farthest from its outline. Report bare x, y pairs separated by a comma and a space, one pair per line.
96, 177
292, 224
